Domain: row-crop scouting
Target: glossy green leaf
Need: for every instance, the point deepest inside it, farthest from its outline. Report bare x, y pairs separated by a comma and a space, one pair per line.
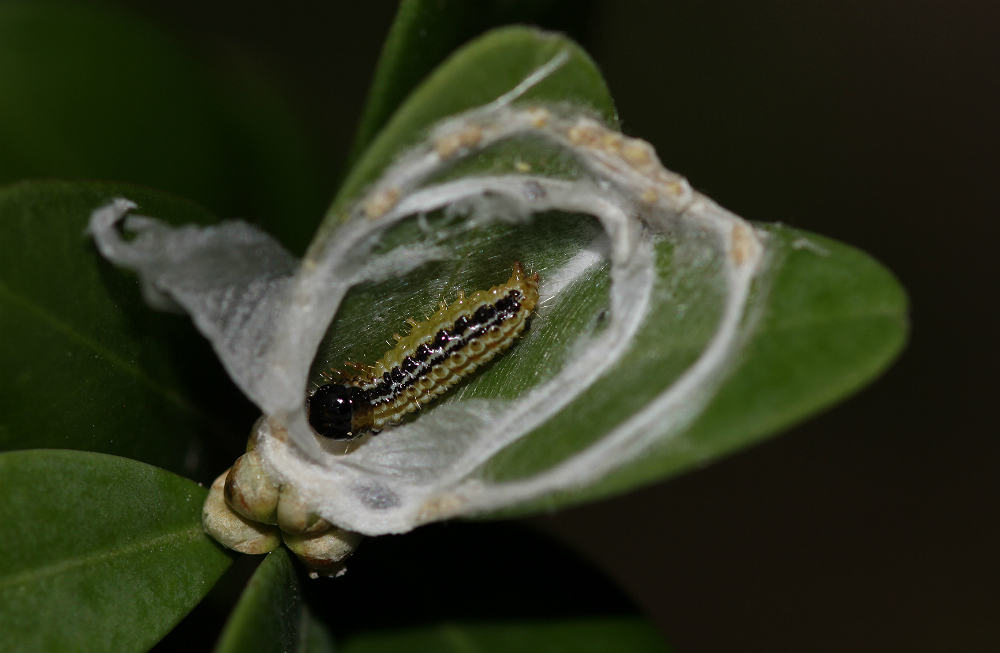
425, 32
475, 75
627, 634
100, 553
834, 319
270, 615
96, 92
88, 365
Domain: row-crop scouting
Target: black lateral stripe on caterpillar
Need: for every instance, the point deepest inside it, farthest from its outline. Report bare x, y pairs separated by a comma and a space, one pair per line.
437, 354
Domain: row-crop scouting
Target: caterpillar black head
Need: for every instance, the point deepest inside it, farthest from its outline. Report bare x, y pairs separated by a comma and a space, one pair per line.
331, 411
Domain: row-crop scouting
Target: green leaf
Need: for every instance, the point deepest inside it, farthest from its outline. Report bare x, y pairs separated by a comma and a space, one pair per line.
314, 637
834, 319
584, 635
475, 75
100, 553
424, 33
270, 615
87, 365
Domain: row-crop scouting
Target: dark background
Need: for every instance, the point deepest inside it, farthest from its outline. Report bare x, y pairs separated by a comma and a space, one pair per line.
872, 527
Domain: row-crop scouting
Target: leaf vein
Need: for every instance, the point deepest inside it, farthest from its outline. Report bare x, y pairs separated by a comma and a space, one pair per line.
40, 573
112, 358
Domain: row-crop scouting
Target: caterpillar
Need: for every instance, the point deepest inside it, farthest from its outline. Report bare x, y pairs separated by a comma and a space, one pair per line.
433, 357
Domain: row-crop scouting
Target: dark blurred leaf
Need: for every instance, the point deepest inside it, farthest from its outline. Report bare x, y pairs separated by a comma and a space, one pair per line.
425, 32
627, 634
272, 171
314, 637
270, 615
94, 92
489, 587
475, 75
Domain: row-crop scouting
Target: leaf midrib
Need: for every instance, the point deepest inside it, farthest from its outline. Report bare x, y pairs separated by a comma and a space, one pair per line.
143, 546
116, 361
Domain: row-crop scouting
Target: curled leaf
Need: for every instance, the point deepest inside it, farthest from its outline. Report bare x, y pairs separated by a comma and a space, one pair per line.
646, 309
